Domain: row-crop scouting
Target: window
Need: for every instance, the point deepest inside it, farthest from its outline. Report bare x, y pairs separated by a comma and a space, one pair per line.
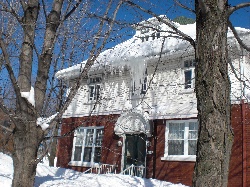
87, 146
189, 66
94, 88
188, 79
181, 140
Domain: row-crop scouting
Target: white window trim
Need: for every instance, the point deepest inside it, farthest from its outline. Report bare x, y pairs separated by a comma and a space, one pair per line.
81, 163
184, 157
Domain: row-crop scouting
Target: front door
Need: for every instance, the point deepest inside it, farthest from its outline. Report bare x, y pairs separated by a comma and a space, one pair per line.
135, 154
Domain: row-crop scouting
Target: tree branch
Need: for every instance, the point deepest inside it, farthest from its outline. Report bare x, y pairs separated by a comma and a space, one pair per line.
72, 10
12, 11
9, 68
237, 37
186, 37
89, 63
6, 128
6, 111
183, 6
237, 7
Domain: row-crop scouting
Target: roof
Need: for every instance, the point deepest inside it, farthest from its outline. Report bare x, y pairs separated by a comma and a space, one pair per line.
134, 50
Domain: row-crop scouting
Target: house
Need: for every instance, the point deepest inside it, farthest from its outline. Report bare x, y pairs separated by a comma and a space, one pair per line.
136, 112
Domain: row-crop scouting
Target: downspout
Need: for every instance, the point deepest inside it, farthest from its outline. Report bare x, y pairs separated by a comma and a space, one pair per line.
154, 151
244, 155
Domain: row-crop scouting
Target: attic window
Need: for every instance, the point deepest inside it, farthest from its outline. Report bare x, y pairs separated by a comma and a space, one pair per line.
144, 30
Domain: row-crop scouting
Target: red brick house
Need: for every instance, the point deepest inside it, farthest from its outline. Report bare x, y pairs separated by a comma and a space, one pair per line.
136, 111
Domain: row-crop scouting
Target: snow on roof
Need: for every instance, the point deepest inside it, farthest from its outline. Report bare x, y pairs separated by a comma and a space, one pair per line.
126, 53
134, 51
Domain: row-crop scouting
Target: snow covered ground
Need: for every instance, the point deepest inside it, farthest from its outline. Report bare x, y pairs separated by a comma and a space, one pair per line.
53, 177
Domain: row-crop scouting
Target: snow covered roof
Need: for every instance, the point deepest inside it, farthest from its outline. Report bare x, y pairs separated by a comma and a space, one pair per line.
134, 51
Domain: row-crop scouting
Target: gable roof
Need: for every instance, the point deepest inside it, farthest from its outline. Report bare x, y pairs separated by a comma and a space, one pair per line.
134, 51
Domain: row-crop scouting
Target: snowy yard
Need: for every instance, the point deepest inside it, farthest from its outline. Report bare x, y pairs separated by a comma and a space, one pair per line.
50, 176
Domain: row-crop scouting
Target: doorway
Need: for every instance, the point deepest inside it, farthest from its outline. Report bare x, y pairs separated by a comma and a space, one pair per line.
135, 154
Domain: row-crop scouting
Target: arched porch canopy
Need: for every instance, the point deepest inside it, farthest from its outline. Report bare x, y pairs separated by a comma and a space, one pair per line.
132, 123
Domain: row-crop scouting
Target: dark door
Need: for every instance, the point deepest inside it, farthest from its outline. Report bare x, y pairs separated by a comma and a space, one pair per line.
135, 152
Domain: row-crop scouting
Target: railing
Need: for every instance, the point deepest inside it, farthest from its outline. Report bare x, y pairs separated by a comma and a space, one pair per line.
133, 170
102, 169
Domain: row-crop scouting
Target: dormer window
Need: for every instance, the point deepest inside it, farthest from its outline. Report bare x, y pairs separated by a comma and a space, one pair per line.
94, 88
144, 30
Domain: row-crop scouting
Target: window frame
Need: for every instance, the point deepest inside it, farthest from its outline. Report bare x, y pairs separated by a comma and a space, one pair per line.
185, 156
189, 66
93, 149
95, 83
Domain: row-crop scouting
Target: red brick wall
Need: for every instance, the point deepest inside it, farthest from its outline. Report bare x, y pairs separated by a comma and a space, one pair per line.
111, 153
235, 169
176, 172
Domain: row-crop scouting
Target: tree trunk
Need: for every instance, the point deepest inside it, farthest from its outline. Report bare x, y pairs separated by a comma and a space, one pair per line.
25, 152
215, 136
27, 137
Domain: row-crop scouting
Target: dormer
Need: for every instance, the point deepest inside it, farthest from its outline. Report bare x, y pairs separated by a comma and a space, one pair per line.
152, 28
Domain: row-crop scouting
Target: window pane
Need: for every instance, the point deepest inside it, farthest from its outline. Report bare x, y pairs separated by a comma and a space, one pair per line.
193, 130
77, 153
98, 152
188, 77
99, 137
92, 92
89, 138
97, 91
176, 131
87, 154
176, 147
192, 144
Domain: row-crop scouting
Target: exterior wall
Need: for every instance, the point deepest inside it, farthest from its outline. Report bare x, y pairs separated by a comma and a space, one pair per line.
111, 153
166, 91
172, 171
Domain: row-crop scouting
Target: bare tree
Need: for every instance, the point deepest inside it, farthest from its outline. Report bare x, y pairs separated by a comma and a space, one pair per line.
31, 34
212, 87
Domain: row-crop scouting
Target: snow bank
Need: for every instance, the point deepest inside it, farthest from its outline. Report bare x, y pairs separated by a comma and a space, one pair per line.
54, 177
